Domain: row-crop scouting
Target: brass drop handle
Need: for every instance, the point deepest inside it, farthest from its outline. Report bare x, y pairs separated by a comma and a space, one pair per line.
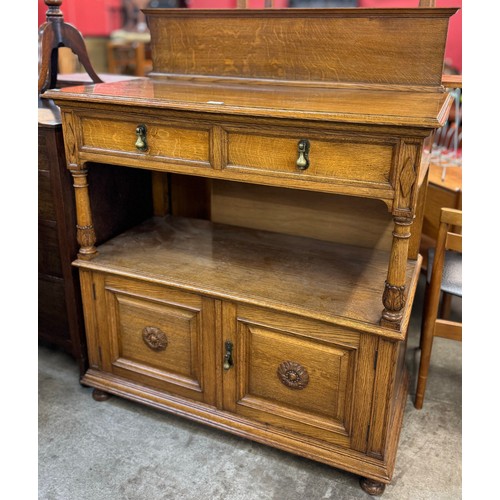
303, 160
141, 143
228, 356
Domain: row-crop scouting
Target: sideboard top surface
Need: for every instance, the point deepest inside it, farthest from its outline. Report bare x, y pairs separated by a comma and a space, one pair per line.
347, 105
359, 66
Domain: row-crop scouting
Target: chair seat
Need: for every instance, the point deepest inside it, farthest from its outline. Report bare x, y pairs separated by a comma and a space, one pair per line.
452, 272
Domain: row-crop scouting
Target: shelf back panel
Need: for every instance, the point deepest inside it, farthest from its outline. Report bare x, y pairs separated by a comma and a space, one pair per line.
403, 47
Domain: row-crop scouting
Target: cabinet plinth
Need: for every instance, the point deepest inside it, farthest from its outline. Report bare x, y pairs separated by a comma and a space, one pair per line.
229, 306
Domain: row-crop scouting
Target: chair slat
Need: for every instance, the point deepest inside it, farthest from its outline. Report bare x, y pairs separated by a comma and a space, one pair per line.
451, 216
448, 329
454, 242
242, 4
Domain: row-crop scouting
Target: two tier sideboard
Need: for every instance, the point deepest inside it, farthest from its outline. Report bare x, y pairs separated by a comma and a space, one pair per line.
270, 292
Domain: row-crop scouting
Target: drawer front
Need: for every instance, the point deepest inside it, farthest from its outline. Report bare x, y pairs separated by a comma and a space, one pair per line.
46, 208
330, 159
49, 256
43, 154
158, 336
53, 323
294, 374
165, 140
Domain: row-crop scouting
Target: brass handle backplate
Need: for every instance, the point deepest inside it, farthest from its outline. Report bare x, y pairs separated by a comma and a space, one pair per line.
303, 149
141, 143
228, 356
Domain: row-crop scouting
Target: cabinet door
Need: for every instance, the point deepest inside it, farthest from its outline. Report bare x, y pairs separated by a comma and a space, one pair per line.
156, 336
291, 373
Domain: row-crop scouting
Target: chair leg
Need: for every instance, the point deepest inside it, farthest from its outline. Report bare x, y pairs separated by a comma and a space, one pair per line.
425, 310
426, 340
445, 306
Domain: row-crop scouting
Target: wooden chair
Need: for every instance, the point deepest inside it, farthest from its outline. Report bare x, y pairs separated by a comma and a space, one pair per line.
243, 4
444, 274
127, 57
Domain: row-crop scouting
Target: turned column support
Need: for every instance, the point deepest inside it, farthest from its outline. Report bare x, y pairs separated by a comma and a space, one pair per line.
85, 233
394, 297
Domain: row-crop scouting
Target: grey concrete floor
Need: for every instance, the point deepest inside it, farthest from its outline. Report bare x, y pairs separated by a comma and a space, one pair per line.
120, 450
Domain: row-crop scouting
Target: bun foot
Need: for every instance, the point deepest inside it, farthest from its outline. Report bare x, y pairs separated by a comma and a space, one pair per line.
99, 395
371, 487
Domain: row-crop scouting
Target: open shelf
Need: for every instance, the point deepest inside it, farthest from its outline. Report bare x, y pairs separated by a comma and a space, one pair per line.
328, 281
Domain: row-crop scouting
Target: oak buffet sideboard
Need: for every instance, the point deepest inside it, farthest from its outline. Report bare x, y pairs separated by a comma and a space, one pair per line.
270, 293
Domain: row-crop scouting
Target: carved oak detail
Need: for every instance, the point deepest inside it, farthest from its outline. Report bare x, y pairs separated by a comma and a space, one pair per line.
85, 236
85, 233
407, 178
154, 338
293, 375
394, 297
71, 141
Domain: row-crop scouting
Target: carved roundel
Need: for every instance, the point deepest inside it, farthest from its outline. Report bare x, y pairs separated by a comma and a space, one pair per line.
154, 338
293, 375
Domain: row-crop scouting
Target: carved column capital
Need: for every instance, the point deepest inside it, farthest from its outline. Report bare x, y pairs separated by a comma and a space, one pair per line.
394, 300
394, 297
85, 233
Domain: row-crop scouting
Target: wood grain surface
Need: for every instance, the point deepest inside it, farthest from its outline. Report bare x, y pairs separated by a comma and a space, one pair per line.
342, 219
308, 45
344, 105
339, 159
171, 141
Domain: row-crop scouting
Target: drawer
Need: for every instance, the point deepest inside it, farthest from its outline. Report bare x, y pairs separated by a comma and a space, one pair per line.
46, 208
166, 140
53, 322
49, 256
331, 159
43, 155
293, 373
157, 336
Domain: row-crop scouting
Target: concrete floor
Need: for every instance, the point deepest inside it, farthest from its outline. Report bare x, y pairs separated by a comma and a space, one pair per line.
119, 450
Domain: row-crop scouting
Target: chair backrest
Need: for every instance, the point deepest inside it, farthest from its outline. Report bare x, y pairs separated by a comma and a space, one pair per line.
448, 239
451, 218
242, 4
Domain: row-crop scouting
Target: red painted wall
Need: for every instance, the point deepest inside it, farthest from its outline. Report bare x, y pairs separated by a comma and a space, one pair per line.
90, 17
96, 17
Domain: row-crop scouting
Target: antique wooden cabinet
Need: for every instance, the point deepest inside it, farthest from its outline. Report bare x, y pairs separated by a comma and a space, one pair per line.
270, 294
120, 199
60, 318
